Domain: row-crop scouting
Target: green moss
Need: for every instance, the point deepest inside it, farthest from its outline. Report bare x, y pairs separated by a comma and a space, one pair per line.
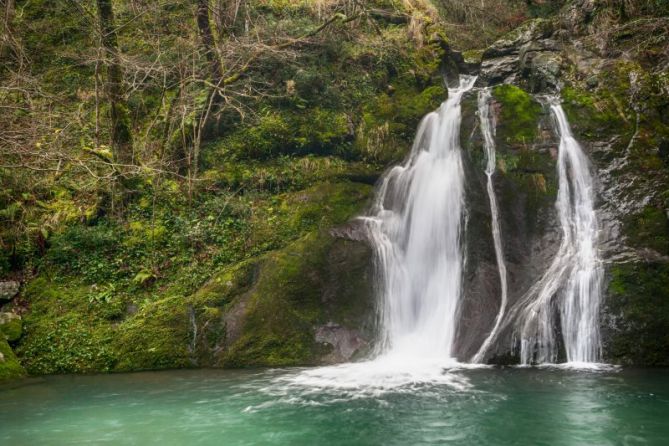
9, 364
284, 308
62, 332
389, 122
281, 132
66, 344
11, 326
649, 229
519, 116
638, 306
592, 114
157, 337
473, 56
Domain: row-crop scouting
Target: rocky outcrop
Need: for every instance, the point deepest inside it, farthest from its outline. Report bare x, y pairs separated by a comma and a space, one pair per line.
309, 303
528, 57
525, 186
614, 90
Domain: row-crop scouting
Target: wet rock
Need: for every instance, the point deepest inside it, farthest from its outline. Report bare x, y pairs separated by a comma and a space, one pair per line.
344, 343
528, 56
499, 70
355, 230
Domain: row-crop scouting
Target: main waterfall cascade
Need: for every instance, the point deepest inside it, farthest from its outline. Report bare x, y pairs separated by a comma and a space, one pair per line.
488, 125
416, 227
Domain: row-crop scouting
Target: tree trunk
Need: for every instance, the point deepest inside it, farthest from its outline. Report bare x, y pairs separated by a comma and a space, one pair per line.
121, 137
6, 37
204, 27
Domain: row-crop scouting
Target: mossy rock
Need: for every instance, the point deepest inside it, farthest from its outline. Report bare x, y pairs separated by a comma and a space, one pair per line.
261, 312
10, 368
519, 115
317, 280
157, 337
11, 326
637, 314
593, 115
389, 121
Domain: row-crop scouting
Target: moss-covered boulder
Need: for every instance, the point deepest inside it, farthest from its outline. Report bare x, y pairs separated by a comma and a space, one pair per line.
10, 330
10, 368
263, 312
11, 326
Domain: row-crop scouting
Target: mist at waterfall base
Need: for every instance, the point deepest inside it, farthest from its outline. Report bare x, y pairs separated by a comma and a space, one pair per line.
225, 407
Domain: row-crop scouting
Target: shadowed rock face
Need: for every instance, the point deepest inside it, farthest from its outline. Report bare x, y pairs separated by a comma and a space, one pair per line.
524, 184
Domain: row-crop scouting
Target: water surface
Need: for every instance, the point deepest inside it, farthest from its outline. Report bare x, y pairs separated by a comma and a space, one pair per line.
279, 407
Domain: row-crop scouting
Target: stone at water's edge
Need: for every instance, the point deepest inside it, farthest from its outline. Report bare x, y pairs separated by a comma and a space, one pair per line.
10, 326
10, 330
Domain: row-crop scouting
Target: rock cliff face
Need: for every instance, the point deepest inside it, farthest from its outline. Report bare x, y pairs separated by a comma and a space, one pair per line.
614, 85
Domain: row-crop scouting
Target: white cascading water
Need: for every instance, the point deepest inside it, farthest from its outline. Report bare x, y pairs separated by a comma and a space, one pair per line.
575, 275
416, 228
488, 124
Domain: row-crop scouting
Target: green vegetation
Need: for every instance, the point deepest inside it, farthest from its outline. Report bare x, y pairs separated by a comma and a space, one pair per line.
519, 117
9, 364
638, 308
121, 261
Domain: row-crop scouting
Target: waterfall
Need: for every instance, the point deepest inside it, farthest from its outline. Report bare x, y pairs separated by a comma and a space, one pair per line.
572, 284
488, 124
416, 227
581, 300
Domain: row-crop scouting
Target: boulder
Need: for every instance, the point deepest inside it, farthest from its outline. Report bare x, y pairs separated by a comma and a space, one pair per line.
10, 368
11, 326
8, 290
